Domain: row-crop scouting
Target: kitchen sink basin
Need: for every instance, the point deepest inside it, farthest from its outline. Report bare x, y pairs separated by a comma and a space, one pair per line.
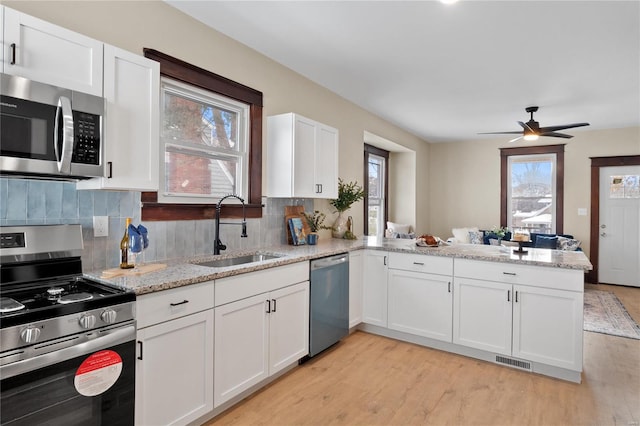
239, 260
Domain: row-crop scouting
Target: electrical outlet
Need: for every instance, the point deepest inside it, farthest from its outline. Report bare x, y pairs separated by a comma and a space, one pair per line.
101, 226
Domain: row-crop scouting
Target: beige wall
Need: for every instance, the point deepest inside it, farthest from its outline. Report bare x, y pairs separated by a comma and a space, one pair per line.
455, 184
465, 179
132, 25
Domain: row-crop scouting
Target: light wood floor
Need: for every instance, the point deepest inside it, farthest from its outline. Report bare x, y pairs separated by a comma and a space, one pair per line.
372, 380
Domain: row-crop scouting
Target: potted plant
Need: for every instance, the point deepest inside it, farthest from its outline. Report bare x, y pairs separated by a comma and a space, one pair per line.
348, 193
499, 232
315, 221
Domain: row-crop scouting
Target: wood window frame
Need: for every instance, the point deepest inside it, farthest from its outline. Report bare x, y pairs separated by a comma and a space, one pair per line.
594, 240
505, 153
182, 71
370, 149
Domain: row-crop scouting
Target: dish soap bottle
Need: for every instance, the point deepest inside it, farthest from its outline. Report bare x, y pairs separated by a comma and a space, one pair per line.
125, 249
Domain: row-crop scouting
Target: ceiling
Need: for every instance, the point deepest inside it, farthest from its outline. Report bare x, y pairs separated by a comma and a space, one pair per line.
447, 72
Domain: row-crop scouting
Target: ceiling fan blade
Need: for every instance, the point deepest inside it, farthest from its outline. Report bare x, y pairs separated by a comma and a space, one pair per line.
556, 135
562, 127
516, 139
526, 126
502, 133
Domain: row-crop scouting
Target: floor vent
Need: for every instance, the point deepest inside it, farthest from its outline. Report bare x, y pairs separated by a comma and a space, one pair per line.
523, 365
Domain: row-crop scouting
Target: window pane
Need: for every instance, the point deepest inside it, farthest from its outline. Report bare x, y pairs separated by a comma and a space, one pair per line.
374, 219
194, 121
532, 194
195, 175
375, 175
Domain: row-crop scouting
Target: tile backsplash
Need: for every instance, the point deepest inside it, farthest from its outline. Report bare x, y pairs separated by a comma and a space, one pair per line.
36, 202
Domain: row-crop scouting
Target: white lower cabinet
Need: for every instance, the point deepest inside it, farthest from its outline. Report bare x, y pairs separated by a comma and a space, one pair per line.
257, 336
374, 288
174, 370
356, 271
531, 322
482, 315
548, 326
420, 304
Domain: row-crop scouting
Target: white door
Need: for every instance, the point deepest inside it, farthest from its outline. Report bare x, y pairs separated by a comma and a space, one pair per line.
619, 250
174, 371
241, 346
547, 326
482, 316
420, 304
356, 274
304, 157
374, 288
44, 52
327, 162
288, 326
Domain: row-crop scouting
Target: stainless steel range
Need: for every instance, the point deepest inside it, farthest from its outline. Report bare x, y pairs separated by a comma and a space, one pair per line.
67, 342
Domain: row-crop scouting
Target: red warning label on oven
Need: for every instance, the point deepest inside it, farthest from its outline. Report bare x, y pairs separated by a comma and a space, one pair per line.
98, 373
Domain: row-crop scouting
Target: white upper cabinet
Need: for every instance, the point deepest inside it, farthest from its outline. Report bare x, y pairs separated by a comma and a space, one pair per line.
302, 158
47, 53
131, 89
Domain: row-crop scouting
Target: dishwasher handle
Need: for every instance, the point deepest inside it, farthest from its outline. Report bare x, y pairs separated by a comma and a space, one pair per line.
327, 262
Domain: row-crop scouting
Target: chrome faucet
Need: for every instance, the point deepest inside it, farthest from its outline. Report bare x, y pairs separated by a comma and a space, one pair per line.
217, 244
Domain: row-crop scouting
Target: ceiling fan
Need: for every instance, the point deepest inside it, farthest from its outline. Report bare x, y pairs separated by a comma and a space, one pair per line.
531, 130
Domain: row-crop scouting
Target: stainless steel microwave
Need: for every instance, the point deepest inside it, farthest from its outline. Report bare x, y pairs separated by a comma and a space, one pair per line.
49, 132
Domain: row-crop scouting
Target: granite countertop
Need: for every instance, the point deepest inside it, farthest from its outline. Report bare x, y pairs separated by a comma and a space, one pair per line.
184, 271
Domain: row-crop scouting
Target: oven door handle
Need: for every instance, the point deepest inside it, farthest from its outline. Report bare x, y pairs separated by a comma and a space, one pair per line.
108, 338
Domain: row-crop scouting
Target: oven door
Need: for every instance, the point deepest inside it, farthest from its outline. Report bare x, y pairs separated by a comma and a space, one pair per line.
89, 383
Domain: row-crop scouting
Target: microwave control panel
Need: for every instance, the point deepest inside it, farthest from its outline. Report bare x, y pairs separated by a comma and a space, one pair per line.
86, 138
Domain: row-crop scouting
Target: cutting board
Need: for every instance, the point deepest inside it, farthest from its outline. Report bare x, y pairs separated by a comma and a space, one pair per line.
294, 211
144, 269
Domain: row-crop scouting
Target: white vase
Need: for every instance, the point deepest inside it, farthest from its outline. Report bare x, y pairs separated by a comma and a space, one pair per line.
340, 226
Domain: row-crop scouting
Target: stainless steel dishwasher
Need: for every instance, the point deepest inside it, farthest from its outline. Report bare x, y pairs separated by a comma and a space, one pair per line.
329, 304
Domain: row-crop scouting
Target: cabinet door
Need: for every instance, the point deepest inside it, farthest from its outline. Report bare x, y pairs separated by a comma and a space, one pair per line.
421, 304
51, 54
547, 326
174, 371
288, 326
304, 157
482, 315
326, 166
131, 88
374, 288
356, 271
241, 346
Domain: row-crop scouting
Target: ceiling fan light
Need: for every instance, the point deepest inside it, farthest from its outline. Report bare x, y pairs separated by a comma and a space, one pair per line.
531, 137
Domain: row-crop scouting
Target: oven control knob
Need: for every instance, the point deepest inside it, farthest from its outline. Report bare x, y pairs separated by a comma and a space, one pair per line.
87, 321
108, 316
30, 334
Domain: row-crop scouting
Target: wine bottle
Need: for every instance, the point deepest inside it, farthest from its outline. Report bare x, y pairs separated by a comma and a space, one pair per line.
125, 249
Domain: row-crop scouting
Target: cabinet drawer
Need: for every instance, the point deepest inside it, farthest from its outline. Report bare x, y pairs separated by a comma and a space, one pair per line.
538, 276
175, 303
250, 284
421, 263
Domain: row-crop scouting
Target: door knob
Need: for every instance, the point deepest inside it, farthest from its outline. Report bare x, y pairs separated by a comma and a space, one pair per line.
603, 226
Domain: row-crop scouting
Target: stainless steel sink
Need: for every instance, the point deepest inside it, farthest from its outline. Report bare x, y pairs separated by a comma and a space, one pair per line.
239, 260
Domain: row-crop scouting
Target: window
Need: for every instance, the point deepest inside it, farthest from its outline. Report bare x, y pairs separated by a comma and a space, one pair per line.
204, 140
532, 188
211, 138
376, 184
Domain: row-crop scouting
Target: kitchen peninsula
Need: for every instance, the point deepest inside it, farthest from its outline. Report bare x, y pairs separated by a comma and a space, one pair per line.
485, 302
